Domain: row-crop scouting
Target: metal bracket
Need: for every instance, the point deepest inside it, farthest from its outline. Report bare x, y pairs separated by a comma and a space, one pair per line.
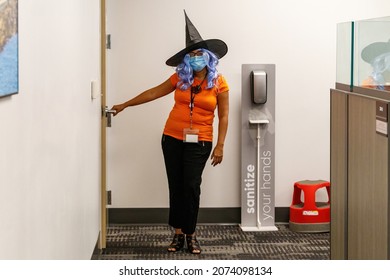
108, 42
109, 198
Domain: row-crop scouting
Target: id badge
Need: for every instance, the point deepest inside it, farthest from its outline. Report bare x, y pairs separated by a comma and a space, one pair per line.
190, 135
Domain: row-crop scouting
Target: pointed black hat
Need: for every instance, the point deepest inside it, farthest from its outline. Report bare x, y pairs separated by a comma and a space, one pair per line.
194, 41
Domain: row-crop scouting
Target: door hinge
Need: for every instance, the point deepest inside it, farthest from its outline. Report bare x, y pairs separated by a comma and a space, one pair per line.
109, 198
108, 41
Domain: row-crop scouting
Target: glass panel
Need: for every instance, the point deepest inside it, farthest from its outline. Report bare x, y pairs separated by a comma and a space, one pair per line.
344, 53
372, 53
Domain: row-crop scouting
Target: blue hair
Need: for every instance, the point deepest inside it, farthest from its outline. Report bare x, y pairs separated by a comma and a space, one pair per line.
186, 74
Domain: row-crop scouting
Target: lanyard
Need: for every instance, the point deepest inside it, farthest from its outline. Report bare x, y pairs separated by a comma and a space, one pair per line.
194, 90
192, 104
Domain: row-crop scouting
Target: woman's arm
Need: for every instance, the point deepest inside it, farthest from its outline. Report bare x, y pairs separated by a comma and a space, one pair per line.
223, 118
146, 96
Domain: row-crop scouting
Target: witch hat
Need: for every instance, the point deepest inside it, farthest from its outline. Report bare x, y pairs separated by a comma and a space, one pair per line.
194, 41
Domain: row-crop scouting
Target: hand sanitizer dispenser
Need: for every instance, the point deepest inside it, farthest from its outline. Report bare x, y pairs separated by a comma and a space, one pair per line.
258, 147
259, 86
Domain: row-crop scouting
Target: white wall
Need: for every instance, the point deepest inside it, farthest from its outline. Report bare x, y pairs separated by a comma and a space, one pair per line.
298, 36
49, 139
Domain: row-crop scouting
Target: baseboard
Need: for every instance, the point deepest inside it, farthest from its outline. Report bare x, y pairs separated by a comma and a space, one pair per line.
231, 215
282, 215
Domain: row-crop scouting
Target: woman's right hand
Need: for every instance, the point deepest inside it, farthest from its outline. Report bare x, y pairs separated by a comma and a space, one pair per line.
118, 108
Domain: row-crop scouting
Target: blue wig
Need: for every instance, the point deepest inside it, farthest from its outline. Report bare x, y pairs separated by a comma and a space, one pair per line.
186, 75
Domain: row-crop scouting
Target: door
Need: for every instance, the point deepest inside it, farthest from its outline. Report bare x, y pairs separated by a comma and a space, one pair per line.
106, 120
103, 171
135, 172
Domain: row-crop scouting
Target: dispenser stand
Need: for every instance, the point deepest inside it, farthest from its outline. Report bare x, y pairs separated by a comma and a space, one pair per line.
258, 152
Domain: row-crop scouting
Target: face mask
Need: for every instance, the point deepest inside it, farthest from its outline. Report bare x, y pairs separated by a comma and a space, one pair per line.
197, 63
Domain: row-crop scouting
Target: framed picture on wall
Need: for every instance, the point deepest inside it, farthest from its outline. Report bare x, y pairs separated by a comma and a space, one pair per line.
9, 59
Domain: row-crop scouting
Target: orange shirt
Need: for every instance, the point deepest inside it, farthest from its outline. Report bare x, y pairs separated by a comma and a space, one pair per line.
205, 103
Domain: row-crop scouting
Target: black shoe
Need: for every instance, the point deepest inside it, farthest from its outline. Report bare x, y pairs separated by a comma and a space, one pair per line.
193, 244
177, 243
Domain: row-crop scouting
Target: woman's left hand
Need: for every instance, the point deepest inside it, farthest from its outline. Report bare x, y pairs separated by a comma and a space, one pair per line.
217, 155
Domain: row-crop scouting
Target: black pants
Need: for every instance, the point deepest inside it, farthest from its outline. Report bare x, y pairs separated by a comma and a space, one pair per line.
184, 163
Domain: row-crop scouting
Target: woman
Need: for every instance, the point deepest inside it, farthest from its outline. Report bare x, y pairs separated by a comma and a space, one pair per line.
188, 133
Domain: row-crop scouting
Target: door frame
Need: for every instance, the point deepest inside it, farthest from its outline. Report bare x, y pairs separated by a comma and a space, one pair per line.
103, 162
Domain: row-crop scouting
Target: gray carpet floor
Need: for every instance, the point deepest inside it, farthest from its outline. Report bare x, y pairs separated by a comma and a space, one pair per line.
218, 242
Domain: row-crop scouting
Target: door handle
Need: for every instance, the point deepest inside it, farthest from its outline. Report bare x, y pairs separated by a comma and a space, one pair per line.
108, 113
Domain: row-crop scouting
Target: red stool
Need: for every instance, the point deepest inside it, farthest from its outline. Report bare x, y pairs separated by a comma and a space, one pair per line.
310, 216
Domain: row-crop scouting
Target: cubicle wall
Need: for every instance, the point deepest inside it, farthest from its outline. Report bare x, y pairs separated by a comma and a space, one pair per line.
359, 175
